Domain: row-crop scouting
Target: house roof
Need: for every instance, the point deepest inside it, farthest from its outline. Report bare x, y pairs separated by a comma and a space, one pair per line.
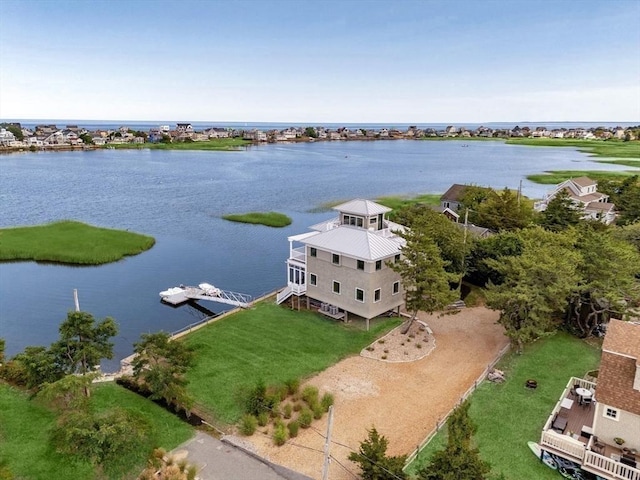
583, 181
600, 206
362, 207
620, 359
356, 243
455, 192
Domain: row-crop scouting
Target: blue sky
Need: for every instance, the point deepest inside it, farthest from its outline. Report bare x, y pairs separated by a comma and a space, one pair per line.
301, 61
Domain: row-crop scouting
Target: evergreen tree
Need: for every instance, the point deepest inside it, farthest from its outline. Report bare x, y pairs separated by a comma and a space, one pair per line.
561, 213
373, 460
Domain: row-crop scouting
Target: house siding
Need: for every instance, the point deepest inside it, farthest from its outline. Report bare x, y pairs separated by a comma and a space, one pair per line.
627, 427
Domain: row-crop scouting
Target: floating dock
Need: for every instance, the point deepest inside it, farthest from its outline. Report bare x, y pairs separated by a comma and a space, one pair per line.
178, 295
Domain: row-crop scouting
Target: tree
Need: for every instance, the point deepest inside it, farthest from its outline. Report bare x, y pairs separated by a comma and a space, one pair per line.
425, 281
626, 195
537, 284
311, 132
373, 460
459, 460
630, 234
83, 344
504, 244
2, 347
560, 214
15, 129
86, 139
35, 366
160, 365
608, 270
506, 210
67, 394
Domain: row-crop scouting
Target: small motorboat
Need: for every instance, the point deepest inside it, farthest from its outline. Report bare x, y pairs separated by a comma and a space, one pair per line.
171, 291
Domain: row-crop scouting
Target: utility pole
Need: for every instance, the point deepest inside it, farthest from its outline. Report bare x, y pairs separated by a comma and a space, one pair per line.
327, 444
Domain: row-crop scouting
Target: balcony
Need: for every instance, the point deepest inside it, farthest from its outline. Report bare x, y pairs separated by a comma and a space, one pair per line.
298, 255
568, 433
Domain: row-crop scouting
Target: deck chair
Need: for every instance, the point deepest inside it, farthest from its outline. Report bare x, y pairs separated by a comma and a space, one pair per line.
597, 447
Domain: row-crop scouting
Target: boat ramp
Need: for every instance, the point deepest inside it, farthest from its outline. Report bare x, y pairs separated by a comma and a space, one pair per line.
176, 296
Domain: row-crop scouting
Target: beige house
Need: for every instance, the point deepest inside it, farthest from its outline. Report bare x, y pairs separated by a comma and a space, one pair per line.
341, 267
596, 425
584, 193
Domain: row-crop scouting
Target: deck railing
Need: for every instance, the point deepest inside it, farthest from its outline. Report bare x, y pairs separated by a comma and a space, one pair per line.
614, 468
563, 443
298, 254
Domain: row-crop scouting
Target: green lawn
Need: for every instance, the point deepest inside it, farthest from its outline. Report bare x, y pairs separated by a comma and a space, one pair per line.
509, 415
270, 219
270, 343
398, 202
70, 242
24, 430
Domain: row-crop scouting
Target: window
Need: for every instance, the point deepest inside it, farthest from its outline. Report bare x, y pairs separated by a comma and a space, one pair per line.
372, 220
396, 287
336, 259
376, 295
359, 295
313, 279
351, 220
336, 287
611, 413
360, 264
313, 252
379, 265
397, 258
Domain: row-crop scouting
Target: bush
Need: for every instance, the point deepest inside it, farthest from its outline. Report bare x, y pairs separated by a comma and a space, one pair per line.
305, 418
297, 407
287, 410
280, 434
310, 394
293, 385
248, 424
293, 428
263, 419
318, 411
327, 401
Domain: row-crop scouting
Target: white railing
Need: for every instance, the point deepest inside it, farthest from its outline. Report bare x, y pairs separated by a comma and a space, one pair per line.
298, 254
284, 294
297, 289
563, 443
612, 467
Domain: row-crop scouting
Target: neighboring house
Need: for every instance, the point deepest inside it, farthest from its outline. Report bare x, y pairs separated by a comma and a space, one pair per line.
584, 193
184, 128
590, 434
342, 266
447, 212
6, 137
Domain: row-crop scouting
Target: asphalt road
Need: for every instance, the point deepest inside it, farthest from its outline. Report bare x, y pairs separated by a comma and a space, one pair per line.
219, 460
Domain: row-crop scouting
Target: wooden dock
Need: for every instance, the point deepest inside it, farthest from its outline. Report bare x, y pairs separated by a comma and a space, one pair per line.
188, 293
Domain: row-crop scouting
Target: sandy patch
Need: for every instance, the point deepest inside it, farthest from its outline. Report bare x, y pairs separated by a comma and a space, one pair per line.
403, 400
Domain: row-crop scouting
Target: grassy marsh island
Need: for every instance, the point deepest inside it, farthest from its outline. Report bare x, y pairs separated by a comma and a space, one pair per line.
558, 176
225, 144
70, 242
399, 202
596, 148
270, 219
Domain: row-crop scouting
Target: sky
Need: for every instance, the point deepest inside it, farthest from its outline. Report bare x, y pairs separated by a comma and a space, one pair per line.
331, 61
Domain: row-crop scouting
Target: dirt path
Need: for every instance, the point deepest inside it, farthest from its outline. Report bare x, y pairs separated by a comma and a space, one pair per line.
404, 401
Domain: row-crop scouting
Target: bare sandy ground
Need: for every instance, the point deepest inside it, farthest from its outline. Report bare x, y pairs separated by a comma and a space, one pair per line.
403, 400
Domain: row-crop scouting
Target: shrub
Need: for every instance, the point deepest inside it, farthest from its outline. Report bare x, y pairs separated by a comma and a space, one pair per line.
280, 434
384, 357
381, 341
293, 427
318, 411
248, 424
327, 401
263, 418
256, 399
297, 407
418, 345
370, 348
305, 418
386, 350
287, 410
293, 385
310, 394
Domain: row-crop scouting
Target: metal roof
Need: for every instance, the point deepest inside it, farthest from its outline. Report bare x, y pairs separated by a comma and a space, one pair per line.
362, 207
357, 242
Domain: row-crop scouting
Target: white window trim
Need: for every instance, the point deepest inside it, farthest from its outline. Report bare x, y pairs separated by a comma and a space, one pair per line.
363, 295
379, 296
333, 290
364, 265
392, 288
339, 259
617, 413
316, 277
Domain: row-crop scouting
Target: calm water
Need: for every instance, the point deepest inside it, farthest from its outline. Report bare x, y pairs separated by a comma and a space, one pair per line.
179, 197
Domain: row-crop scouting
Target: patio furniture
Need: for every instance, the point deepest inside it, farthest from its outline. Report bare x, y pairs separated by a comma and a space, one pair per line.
559, 424
628, 459
586, 431
597, 447
586, 401
567, 403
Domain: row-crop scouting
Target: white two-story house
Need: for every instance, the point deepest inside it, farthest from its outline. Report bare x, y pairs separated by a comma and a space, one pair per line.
342, 266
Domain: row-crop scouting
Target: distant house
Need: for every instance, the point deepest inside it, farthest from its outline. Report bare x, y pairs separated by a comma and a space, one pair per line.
453, 197
447, 212
184, 128
596, 424
6, 137
584, 193
342, 266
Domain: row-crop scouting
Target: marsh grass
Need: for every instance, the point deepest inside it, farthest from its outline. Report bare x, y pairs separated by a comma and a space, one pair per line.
225, 144
270, 219
399, 202
558, 176
509, 415
70, 242
24, 436
269, 343
596, 148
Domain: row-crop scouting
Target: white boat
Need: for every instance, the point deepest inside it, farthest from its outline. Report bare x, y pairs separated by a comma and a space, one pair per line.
171, 291
210, 290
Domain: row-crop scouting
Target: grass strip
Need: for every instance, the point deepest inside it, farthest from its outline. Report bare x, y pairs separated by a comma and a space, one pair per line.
399, 202
225, 144
270, 343
70, 242
509, 415
24, 435
596, 148
270, 219
558, 176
